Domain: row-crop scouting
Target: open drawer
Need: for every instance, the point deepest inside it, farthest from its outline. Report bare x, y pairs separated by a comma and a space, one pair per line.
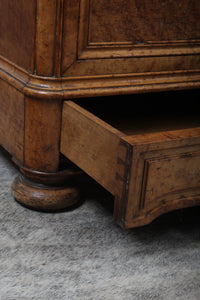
150, 166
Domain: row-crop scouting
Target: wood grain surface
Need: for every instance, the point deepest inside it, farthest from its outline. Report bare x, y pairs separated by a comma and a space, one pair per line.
12, 120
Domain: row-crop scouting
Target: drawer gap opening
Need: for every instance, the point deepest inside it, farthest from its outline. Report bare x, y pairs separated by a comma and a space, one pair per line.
147, 113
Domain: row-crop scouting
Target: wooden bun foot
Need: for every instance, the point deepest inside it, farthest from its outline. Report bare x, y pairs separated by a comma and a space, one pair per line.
44, 198
48, 192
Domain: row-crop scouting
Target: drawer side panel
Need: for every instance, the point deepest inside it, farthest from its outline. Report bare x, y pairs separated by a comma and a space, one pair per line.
90, 143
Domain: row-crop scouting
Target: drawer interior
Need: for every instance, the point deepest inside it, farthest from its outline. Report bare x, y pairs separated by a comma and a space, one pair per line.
147, 113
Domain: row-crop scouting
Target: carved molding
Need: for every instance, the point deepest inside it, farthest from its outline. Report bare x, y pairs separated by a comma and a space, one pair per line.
91, 86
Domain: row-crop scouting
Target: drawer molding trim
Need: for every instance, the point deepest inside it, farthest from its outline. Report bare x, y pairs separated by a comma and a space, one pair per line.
164, 175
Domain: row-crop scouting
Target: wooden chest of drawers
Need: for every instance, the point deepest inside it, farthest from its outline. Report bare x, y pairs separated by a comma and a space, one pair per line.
53, 51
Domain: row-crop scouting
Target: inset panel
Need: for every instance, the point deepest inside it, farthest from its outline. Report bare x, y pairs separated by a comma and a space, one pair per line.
169, 178
141, 21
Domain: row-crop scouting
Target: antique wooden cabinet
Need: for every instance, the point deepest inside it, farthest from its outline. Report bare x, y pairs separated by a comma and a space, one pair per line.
55, 51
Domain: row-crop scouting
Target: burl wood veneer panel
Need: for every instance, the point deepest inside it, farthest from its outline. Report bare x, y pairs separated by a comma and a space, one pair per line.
130, 37
12, 120
145, 21
17, 31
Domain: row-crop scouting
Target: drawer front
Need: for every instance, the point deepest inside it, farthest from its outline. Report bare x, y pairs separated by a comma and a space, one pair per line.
159, 172
147, 45
149, 174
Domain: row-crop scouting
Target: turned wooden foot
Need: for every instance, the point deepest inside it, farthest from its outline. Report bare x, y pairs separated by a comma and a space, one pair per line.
49, 192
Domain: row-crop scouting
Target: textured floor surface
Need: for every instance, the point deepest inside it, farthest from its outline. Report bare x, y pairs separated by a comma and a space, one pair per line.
84, 255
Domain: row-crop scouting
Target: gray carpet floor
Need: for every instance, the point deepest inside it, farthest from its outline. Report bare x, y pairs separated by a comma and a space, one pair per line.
83, 255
